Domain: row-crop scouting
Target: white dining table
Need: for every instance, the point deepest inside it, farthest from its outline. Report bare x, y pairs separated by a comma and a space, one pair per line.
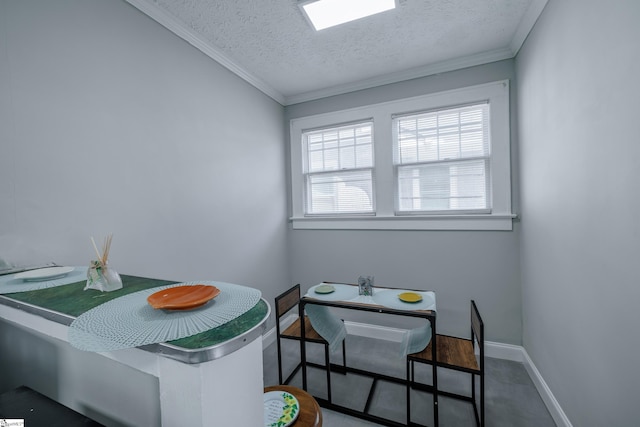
385, 300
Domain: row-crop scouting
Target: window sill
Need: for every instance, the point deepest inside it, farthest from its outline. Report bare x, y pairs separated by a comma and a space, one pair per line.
497, 222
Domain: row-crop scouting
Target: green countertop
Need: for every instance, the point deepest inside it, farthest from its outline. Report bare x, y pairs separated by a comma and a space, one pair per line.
72, 300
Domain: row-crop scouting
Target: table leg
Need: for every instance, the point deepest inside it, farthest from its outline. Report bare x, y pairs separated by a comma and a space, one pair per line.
303, 347
434, 357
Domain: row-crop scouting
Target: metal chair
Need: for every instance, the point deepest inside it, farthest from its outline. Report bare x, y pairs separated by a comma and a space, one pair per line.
457, 354
284, 303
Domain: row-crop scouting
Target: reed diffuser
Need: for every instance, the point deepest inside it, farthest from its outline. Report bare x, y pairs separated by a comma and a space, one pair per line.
99, 275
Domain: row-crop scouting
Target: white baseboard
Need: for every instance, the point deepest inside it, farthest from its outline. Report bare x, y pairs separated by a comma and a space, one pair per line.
502, 351
374, 331
492, 349
548, 398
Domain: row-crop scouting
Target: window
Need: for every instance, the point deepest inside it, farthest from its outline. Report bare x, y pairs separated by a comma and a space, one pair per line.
439, 161
338, 169
442, 160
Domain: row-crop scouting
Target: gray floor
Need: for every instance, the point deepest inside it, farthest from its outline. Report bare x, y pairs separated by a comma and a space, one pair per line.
511, 398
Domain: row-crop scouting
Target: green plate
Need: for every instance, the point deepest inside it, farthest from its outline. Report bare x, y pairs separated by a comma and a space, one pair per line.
324, 289
281, 409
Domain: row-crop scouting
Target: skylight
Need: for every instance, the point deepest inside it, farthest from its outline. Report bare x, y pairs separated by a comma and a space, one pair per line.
328, 13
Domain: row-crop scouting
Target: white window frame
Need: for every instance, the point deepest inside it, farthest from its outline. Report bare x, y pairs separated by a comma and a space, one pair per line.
499, 218
436, 160
309, 174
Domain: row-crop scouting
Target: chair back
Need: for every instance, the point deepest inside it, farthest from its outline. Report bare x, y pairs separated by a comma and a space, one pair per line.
287, 300
477, 325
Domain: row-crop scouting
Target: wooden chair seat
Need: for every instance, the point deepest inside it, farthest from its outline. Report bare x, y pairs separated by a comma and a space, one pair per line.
293, 332
453, 352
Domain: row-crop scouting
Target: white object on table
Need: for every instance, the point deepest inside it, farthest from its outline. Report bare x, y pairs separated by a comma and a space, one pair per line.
42, 274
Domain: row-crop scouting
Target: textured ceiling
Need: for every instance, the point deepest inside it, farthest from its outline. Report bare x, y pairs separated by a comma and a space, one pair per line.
271, 44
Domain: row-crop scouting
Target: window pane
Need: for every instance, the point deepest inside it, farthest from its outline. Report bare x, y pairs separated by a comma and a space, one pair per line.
343, 147
449, 134
341, 192
338, 169
364, 156
316, 161
347, 158
443, 186
431, 148
331, 159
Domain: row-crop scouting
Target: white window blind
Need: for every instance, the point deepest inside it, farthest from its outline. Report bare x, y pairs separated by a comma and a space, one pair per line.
338, 169
442, 160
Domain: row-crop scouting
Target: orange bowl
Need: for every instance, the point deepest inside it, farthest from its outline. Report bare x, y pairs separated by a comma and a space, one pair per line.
183, 297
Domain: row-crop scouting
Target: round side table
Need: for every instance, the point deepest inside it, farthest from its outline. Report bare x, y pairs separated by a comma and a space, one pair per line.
310, 413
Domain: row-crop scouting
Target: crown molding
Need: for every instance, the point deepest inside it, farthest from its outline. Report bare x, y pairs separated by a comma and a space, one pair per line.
526, 24
174, 25
436, 68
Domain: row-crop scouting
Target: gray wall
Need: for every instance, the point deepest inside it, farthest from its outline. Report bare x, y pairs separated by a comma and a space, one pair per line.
109, 123
458, 265
578, 93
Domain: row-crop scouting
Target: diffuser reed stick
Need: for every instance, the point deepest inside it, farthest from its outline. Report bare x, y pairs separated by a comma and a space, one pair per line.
106, 247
